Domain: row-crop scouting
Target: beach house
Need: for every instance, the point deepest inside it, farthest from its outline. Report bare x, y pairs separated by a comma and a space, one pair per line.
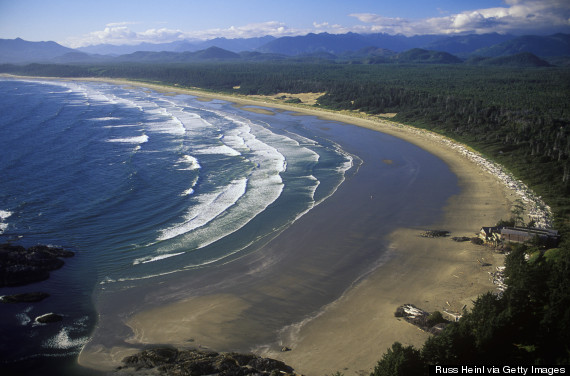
546, 237
517, 234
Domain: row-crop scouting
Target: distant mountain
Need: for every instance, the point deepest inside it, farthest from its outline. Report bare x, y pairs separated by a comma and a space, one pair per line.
114, 50
341, 43
545, 46
212, 53
521, 60
467, 44
237, 44
418, 55
312, 43
369, 55
21, 51
485, 44
80, 57
346, 48
233, 45
215, 53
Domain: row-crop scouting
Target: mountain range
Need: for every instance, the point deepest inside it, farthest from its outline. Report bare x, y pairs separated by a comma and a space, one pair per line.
377, 48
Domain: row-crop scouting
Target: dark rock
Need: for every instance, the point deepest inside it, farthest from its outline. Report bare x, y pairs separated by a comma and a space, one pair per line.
438, 328
399, 312
151, 358
243, 359
269, 365
29, 297
461, 238
195, 363
477, 241
49, 317
435, 234
21, 266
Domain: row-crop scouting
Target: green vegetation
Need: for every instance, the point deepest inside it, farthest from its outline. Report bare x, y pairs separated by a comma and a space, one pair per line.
528, 324
517, 117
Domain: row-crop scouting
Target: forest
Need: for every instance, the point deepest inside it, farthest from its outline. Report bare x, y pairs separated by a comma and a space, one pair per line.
518, 117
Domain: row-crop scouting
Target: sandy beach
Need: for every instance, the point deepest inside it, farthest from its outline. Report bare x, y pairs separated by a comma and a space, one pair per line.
350, 334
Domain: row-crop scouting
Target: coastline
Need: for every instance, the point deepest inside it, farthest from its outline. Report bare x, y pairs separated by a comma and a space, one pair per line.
351, 334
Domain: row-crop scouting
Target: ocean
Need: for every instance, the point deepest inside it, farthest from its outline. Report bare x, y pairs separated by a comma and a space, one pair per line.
148, 188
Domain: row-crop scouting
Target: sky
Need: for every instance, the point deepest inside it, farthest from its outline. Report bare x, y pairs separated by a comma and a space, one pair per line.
79, 23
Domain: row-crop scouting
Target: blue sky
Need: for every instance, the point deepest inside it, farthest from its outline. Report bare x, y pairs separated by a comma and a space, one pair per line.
76, 23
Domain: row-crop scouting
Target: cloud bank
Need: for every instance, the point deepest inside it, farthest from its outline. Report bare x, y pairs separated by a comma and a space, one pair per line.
516, 17
120, 33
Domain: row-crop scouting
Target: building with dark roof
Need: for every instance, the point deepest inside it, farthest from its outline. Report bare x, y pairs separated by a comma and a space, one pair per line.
547, 237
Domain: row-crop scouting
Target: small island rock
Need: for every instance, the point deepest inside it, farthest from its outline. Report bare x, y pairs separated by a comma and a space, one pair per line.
49, 317
28, 297
21, 266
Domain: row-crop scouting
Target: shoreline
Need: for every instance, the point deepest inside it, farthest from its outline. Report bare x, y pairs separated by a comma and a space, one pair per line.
425, 139
433, 274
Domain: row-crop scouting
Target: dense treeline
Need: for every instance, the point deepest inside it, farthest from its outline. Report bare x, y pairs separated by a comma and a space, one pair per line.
528, 325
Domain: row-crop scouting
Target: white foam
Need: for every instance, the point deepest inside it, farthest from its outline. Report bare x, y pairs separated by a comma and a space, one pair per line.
23, 318
220, 149
130, 140
121, 126
105, 118
264, 184
4, 214
192, 162
210, 206
145, 260
63, 341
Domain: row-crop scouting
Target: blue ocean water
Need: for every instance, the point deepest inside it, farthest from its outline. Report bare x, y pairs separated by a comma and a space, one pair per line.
140, 185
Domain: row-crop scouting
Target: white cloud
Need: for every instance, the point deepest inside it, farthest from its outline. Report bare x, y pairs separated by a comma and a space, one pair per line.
519, 16
120, 33
320, 25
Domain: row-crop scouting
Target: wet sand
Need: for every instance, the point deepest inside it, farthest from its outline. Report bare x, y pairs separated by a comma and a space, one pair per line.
351, 334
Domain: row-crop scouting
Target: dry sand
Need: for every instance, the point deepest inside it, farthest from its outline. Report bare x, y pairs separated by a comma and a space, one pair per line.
351, 334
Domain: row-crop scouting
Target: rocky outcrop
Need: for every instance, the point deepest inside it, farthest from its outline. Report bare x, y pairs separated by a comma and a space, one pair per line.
21, 266
435, 234
49, 317
169, 361
28, 297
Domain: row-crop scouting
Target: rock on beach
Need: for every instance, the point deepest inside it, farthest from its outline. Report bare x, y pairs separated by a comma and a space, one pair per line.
171, 361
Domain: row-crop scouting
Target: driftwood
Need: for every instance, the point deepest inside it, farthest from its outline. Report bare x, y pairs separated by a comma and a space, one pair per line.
420, 318
498, 278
